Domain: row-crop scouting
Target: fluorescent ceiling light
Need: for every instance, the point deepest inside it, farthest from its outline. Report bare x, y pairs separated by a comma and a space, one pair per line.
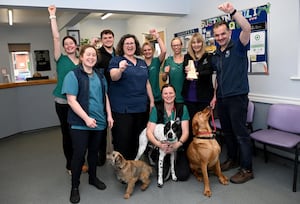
10, 17
105, 16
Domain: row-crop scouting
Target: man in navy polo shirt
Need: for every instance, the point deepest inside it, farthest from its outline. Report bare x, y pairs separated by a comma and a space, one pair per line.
230, 62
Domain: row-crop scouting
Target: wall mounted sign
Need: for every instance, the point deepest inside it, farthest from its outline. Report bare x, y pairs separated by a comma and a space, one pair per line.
42, 60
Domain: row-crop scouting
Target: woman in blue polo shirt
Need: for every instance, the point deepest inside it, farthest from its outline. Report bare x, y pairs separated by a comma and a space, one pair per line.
129, 93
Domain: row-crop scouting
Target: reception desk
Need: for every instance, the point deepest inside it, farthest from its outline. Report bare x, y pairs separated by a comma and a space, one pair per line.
26, 106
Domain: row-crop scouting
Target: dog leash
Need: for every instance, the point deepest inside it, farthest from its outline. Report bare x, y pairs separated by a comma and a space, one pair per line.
213, 122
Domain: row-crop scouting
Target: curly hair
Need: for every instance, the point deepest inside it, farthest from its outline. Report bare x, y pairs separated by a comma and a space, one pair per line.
120, 50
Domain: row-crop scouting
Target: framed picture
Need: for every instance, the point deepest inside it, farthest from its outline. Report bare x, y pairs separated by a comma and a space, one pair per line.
75, 34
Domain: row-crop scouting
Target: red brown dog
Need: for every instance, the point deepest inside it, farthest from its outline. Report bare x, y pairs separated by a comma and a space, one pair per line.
130, 171
203, 152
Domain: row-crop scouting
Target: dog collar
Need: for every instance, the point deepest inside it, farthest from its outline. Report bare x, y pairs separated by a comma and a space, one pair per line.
207, 138
170, 140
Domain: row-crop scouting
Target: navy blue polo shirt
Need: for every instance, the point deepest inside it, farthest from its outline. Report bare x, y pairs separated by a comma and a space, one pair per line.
231, 66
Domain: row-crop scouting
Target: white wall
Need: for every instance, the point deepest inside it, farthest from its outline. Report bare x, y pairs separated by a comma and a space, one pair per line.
40, 38
92, 28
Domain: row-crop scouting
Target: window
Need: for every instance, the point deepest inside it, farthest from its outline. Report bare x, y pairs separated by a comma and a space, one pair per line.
21, 61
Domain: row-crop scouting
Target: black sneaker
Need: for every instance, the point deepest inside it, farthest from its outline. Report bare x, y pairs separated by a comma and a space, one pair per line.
97, 183
101, 160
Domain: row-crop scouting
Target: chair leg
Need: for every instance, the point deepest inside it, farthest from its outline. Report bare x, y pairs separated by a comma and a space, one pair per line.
295, 170
253, 147
265, 153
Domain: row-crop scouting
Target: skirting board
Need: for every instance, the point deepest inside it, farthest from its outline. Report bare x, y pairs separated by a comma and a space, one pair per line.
262, 98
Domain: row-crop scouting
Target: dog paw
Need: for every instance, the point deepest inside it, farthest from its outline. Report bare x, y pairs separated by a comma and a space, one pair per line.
207, 193
144, 187
223, 180
126, 195
174, 178
160, 182
199, 178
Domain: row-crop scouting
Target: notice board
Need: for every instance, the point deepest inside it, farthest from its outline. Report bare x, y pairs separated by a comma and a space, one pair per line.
258, 46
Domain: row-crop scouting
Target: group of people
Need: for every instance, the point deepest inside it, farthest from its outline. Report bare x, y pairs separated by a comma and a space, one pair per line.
115, 89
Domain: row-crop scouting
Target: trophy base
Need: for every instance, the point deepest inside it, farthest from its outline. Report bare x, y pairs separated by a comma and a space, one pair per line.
192, 76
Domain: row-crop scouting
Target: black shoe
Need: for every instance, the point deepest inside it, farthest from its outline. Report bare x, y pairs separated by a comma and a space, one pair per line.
101, 159
97, 183
229, 164
75, 197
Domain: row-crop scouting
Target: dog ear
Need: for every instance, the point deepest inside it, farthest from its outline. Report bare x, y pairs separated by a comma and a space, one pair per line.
167, 127
120, 161
177, 121
195, 125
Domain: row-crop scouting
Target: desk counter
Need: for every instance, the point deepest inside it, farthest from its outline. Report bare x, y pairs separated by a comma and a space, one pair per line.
26, 106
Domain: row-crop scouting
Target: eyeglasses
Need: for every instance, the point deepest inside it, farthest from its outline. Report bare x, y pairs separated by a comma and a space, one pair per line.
130, 43
177, 45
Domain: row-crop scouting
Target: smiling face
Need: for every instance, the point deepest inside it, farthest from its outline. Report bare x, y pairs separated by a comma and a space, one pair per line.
168, 94
147, 51
69, 46
222, 35
107, 40
176, 45
129, 46
196, 45
88, 57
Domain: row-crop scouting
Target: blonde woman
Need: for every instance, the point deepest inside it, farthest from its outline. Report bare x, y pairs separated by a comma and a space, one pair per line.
197, 93
173, 68
154, 63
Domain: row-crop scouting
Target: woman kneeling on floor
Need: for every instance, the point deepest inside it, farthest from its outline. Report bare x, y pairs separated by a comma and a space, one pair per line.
162, 113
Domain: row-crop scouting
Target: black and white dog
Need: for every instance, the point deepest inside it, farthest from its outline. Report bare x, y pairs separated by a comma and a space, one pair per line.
163, 133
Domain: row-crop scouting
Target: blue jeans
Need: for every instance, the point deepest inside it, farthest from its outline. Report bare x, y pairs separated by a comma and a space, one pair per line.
233, 115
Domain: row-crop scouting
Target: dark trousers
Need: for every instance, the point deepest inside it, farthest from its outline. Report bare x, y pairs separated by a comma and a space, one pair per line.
85, 140
233, 115
102, 150
182, 167
62, 113
125, 132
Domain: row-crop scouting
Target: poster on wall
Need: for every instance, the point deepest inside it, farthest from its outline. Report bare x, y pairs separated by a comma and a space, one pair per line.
185, 36
42, 60
258, 46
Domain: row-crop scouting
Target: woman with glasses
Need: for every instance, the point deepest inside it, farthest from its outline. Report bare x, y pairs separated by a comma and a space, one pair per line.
129, 93
173, 68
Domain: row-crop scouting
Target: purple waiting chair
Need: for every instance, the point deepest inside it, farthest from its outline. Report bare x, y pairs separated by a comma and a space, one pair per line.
283, 132
249, 121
